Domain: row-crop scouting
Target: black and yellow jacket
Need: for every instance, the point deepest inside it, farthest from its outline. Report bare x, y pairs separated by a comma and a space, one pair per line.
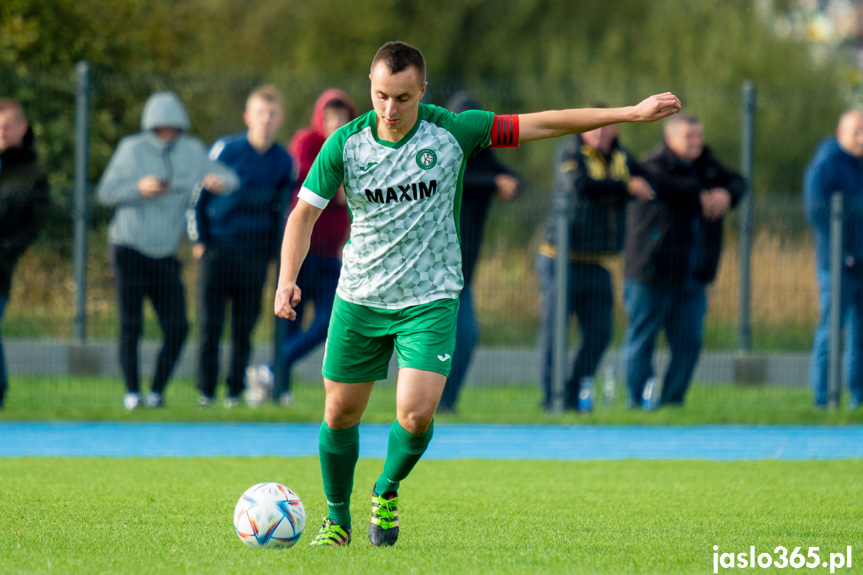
599, 186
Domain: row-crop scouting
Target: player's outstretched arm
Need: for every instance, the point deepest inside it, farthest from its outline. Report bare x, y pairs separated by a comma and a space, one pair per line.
555, 123
295, 247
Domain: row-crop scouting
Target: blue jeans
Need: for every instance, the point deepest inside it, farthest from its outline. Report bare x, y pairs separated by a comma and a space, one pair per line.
591, 300
851, 314
4, 382
680, 312
318, 279
466, 338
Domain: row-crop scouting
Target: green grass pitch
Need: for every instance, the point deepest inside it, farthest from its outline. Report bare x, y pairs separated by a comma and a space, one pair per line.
153, 516
83, 398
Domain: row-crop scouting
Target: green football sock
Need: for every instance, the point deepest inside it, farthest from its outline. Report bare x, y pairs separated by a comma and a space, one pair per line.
403, 451
339, 451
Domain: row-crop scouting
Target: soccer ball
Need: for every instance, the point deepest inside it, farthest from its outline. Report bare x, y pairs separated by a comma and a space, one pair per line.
269, 515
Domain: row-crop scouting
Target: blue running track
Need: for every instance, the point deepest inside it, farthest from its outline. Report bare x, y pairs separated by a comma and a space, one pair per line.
451, 441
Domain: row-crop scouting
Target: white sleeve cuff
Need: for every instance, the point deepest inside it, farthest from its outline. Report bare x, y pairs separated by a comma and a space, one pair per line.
312, 198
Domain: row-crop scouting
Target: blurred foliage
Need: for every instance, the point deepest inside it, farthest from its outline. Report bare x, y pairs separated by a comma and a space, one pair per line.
518, 56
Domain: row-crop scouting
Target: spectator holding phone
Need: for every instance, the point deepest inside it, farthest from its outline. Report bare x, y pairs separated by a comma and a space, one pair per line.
149, 182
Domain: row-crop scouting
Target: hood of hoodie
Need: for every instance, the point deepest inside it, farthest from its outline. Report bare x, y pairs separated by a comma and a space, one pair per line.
326, 97
164, 110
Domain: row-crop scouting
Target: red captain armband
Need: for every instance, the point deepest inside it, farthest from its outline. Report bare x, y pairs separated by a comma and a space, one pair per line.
504, 131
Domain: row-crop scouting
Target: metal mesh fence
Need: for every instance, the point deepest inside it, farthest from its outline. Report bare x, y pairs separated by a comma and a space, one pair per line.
48, 366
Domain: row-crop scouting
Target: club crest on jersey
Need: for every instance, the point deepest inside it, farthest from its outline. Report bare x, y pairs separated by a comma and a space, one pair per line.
426, 159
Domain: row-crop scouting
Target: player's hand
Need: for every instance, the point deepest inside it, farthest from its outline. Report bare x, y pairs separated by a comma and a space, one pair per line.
151, 186
640, 189
656, 107
198, 250
287, 298
214, 183
507, 187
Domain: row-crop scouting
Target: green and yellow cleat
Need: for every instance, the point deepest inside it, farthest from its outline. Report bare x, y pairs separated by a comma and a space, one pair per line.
331, 535
384, 525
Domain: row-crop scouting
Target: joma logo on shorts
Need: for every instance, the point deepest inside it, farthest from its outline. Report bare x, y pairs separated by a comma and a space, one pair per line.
407, 193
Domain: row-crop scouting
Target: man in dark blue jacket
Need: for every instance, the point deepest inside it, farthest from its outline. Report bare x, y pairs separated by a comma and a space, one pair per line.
837, 168
235, 238
601, 176
673, 245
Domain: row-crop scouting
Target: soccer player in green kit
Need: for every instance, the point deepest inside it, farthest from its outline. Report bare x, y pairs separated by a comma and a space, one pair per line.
401, 166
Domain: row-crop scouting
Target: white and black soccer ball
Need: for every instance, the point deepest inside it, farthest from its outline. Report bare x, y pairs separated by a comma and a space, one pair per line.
269, 515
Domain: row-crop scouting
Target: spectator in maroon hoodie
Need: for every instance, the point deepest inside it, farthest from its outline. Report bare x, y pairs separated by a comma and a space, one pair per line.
320, 273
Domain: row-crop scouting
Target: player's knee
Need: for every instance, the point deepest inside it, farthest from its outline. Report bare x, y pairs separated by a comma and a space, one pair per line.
340, 415
416, 421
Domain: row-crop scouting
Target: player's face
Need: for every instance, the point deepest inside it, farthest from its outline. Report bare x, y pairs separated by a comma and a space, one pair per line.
686, 140
396, 99
263, 119
12, 130
850, 134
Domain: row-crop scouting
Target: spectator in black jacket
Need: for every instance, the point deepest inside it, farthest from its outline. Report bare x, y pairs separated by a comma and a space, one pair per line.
601, 176
23, 201
672, 253
484, 178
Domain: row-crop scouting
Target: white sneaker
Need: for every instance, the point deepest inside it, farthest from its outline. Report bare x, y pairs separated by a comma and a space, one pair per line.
231, 402
286, 399
153, 399
131, 401
204, 401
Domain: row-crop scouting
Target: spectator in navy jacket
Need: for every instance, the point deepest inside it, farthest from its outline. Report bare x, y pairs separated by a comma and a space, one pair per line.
837, 167
235, 238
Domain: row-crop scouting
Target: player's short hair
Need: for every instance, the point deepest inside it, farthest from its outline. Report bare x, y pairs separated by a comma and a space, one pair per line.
399, 56
8, 104
268, 93
679, 119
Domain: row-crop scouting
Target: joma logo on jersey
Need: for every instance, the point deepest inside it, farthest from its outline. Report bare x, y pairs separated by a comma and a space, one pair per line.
407, 193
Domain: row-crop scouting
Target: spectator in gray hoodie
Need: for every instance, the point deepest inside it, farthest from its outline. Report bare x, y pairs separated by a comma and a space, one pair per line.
150, 182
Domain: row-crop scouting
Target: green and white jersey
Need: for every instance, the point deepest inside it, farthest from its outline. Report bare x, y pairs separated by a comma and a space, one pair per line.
404, 199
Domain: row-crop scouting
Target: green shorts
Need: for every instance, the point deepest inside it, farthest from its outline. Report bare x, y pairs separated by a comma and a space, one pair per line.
361, 339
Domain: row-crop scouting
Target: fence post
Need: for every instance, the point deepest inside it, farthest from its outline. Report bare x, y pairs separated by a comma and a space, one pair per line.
82, 140
834, 378
562, 208
747, 138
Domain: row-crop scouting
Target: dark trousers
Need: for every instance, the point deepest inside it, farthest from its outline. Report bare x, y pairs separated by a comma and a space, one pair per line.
137, 276
239, 277
680, 312
318, 279
591, 300
466, 339
4, 382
